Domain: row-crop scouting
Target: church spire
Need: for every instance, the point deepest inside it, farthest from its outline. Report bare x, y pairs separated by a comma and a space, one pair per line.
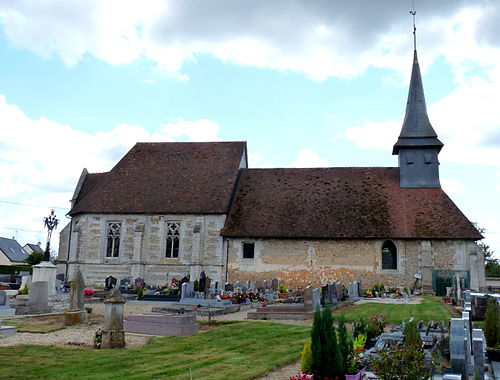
418, 145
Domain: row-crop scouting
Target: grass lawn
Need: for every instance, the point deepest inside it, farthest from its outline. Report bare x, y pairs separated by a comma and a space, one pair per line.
431, 309
237, 350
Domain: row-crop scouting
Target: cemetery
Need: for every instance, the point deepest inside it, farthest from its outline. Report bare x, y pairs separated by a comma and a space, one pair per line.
127, 315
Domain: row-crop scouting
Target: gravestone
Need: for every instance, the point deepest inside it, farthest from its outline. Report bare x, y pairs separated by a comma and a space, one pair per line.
5, 309
238, 284
25, 281
478, 344
274, 284
228, 287
113, 335
76, 313
360, 290
332, 294
339, 289
308, 298
325, 295
46, 272
203, 282
316, 298
457, 346
264, 284
468, 339
38, 298
187, 290
248, 285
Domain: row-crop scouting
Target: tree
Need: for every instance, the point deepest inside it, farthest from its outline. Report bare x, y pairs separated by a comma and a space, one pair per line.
411, 335
345, 344
326, 358
492, 265
491, 327
34, 258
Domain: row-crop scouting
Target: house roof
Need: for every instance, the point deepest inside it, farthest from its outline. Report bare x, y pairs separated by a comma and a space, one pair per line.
13, 250
341, 203
172, 178
34, 247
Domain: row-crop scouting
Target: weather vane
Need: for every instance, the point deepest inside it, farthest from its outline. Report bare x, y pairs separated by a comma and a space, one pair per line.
51, 223
413, 12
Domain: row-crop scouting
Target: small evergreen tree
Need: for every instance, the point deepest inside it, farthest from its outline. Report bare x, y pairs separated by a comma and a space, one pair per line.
316, 344
35, 258
334, 363
306, 358
345, 344
491, 328
411, 335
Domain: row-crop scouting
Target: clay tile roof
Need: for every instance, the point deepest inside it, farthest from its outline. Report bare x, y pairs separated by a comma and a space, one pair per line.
172, 178
340, 203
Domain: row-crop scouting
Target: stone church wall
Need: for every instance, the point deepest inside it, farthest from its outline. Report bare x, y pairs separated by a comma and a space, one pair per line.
317, 262
142, 248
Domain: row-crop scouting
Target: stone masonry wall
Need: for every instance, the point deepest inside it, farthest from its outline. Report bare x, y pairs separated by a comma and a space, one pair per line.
143, 246
317, 262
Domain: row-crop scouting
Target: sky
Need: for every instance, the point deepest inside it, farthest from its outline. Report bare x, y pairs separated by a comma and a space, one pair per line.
305, 83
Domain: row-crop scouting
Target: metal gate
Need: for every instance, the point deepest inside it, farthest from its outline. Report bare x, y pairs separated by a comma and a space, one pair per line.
441, 279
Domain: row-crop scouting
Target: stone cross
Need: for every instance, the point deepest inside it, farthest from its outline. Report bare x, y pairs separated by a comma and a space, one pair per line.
76, 292
113, 335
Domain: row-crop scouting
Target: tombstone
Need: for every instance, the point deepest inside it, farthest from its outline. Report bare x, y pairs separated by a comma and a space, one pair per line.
467, 296
109, 283
274, 284
46, 271
187, 290
113, 335
124, 284
457, 346
339, 289
76, 313
332, 294
5, 309
25, 281
253, 286
208, 282
139, 282
216, 285
316, 298
238, 284
228, 287
478, 344
203, 281
248, 285
325, 295
468, 339
38, 298
308, 298
264, 285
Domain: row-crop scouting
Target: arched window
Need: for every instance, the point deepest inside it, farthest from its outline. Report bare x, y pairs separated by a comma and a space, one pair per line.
389, 255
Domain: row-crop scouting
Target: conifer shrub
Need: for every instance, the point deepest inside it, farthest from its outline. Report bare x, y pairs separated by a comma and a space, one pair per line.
345, 344
306, 358
411, 335
491, 327
327, 360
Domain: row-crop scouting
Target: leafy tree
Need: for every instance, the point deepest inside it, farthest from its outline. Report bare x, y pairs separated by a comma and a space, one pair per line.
34, 258
491, 328
492, 265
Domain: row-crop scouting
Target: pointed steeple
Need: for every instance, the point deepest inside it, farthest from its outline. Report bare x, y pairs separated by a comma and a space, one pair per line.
418, 145
417, 130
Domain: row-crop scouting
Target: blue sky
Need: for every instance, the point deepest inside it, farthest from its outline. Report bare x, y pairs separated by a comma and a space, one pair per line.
306, 84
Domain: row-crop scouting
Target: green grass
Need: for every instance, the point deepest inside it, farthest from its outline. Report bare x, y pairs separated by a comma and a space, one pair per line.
431, 309
239, 350
33, 327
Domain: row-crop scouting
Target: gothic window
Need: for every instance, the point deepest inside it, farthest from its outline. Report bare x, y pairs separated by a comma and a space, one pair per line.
389, 255
172, 249
113, 239
248, 250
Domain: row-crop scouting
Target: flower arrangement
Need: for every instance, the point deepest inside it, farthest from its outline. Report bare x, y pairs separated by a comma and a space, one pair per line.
88, 293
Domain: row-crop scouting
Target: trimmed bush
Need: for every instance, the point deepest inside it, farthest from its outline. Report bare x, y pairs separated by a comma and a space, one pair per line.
306, 358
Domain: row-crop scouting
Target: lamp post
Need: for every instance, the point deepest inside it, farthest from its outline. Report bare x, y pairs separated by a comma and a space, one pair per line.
51, 223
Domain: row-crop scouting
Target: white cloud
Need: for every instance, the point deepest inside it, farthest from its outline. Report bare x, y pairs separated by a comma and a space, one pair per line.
452, 186
149, 81
198, 130
308, 158
466, 121
321, 39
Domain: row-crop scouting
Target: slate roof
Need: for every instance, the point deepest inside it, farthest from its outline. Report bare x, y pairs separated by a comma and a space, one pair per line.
341, 203
35, 247
13, 250
172, 178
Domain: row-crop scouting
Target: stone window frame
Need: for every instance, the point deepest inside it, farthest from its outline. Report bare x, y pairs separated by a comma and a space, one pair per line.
105, 239
243, 250
165, 239
398, 256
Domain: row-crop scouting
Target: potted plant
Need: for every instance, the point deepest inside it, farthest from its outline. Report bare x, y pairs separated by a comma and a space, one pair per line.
357, 363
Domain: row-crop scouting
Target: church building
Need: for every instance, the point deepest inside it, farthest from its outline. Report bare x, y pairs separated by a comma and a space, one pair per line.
176, 209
